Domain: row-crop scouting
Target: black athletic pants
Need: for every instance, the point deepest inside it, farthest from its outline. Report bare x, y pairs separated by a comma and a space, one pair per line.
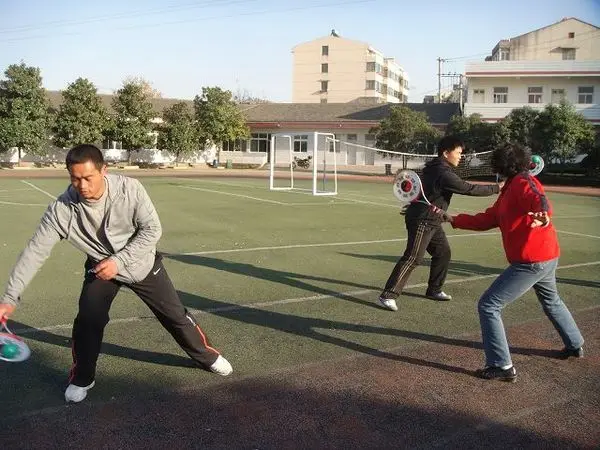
157, 291
422, 236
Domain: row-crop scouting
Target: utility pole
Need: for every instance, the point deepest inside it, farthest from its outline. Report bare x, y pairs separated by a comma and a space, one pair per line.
460, 92
439, 60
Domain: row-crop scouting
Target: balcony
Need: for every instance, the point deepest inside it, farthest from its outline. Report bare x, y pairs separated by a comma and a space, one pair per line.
532, 69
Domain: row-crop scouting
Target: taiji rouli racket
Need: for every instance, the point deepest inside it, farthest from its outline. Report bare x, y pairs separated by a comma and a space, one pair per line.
536, 165
12, 347
408, 188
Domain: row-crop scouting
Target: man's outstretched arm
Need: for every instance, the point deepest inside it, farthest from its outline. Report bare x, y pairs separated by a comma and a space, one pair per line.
453, 183
30, 260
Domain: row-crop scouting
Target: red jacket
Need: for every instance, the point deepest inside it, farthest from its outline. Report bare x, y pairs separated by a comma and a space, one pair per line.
522, 244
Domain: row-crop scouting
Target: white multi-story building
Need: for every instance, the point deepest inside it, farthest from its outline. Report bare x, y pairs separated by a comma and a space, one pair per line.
555, 63
333, 69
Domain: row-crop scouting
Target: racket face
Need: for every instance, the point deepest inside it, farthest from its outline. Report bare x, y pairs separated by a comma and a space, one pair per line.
13, 348
407, 186
536, 166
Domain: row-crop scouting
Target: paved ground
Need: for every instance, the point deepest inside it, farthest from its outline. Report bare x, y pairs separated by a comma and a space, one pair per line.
425, 397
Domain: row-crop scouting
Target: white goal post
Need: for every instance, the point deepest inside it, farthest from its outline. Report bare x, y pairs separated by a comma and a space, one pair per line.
321, 152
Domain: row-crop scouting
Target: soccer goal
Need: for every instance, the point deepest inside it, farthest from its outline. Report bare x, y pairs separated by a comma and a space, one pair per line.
304, 156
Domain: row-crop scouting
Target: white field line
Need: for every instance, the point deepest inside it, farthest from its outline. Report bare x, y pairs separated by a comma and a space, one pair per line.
582, 216
326, 244
578, 234
284, 301
53, 197
212, 191
2, 202
329, 203
8, 191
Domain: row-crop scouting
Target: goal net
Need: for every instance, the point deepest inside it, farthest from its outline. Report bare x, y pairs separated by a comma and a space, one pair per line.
367, 160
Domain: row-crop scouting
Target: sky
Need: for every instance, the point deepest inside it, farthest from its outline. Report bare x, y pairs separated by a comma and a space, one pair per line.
245, 46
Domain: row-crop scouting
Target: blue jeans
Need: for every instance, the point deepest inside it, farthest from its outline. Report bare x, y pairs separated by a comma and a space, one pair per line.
512, 284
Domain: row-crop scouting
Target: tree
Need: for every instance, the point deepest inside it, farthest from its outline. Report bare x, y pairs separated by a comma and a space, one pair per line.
592, 161
477, 135
81, 118
560, 132
218, 117
404, 130
146, 86
132, 121
24, 116
178, 133
520, 123
245, 96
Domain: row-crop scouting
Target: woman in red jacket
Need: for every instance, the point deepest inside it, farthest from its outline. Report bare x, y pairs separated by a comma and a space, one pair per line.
522, 213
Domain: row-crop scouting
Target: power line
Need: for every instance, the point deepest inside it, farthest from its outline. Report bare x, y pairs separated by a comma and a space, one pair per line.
192, 20
127, 14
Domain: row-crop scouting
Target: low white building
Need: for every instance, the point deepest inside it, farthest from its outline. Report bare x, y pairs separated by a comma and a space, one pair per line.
347, 122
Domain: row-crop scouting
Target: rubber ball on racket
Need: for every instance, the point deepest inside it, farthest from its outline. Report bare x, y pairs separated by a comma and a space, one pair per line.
10, 351
406, 186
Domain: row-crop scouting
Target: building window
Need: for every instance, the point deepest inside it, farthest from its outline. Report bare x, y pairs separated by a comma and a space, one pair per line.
323, 100
239, 145
333, 145
585, 94
534, 94
504, 54
370, 139
324, 68
324, 86
370, 85
259, 142
325, 50
370, 67
301, 143
352, 137
558, 95
500, 95
571, 35
478, 95
568, 53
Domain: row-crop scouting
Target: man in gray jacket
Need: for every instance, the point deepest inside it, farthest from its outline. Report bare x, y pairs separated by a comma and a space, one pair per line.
112, 220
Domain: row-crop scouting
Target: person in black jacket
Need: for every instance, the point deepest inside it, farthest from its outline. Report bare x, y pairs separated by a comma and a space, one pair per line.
424, 223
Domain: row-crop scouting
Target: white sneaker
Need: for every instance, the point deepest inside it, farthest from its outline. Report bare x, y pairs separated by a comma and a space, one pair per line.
77, 393
221, 367
388, 303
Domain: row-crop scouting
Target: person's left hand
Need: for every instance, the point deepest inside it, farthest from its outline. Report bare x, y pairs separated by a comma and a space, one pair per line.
540, 219
106, 269
443, 214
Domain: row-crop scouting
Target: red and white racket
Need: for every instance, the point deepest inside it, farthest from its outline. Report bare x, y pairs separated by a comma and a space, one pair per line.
408, 187
12, 347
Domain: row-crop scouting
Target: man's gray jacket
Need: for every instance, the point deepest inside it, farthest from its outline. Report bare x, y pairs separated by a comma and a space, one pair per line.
131, 226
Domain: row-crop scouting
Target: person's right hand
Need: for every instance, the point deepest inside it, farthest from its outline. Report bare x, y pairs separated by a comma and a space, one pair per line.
6, 310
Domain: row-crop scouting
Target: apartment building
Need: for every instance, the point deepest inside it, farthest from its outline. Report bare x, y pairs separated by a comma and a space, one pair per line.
334, 69
558, 62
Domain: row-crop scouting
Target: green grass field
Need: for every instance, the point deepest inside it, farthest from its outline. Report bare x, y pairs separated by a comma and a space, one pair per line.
276, 279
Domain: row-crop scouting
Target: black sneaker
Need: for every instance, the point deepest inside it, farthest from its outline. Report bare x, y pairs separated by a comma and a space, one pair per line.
567, 353
496, 373
439, 296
